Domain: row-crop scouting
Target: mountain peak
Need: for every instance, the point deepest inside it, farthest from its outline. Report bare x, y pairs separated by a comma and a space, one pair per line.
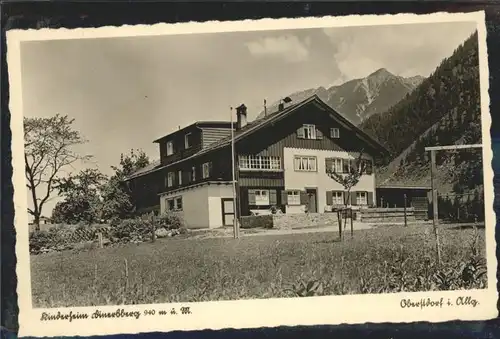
359, 98
381, 71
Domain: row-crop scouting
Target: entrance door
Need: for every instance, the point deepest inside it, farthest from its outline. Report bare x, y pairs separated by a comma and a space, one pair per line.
227, 211
312, 206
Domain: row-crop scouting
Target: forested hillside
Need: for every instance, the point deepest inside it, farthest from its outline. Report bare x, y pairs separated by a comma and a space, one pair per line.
443, 110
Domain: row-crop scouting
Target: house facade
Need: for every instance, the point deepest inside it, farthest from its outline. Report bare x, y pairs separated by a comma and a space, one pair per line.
281, 161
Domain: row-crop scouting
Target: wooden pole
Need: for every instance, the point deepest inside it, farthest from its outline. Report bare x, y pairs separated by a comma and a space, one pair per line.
352, 227
233, 166
126, 275
99, 239
153, 228
452, 147
339, 217
435, 219
406, 224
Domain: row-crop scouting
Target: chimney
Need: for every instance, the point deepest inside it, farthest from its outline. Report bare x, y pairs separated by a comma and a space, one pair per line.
241, 116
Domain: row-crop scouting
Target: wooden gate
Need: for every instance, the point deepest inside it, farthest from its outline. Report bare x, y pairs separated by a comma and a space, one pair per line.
421, 207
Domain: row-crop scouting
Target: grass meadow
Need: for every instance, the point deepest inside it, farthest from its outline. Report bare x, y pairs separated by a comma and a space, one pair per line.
380, 260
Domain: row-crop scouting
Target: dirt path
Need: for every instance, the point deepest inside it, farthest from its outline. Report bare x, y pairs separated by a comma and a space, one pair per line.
228, 232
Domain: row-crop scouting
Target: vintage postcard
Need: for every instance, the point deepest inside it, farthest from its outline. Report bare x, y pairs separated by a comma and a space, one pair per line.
311, 171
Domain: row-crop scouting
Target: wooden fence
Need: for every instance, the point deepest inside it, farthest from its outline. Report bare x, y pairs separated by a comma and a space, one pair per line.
383, 215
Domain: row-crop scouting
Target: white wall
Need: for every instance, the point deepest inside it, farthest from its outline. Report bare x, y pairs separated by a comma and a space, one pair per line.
201, 205
215, 194
320, 179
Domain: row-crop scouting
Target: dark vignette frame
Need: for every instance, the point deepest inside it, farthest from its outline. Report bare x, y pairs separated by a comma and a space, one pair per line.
23, 15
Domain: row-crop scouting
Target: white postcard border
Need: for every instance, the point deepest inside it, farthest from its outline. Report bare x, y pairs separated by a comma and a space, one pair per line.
243, 313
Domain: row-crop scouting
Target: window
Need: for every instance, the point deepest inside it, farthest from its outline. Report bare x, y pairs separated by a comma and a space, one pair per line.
361, 198
178, 203
337, 198
170, 179
346, 165
368, 166
206, 170
170, 148
170, 204
305, 163
261, 197
179, 174
307, 132
187, 140
334, 133
336, 165
293, 198
193, 173
258, 162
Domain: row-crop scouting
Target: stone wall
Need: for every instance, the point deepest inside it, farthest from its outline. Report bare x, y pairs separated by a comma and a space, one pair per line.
289, 221
375, 215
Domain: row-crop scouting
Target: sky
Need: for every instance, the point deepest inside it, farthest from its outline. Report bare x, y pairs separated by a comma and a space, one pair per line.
125, 92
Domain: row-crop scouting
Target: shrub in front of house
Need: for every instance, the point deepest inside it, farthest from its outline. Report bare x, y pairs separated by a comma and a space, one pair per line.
257, 221
130, 230
170, 221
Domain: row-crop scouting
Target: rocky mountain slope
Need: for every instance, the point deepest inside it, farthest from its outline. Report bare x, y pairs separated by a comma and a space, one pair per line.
360, 98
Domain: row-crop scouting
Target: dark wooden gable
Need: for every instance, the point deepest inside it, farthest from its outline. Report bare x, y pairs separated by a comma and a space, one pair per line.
272, 139
178, 139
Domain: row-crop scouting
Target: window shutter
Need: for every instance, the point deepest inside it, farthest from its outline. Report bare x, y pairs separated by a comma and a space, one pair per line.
284, 197
370, 198
273, 198
251, 197
210, 167
319, 134
353, 199
328, 164
300, 133
303, 198
369, 167
329, 198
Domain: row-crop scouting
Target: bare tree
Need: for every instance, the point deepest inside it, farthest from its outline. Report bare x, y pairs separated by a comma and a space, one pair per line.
348, 177
48, 149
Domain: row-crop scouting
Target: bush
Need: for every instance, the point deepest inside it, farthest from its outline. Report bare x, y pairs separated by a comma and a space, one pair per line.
55, 239
170, 221
131, 229
40, 240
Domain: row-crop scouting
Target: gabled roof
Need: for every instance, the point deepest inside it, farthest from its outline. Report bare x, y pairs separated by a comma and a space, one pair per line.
155, 164
256, 125
226, 124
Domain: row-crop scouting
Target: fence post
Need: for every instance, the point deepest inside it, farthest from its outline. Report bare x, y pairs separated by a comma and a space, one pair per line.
339, 217
404, 210
352, 228
99, 240
153, 228
435, 212
126, 275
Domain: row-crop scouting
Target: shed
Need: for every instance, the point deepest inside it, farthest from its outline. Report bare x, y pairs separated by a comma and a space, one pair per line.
418, 197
